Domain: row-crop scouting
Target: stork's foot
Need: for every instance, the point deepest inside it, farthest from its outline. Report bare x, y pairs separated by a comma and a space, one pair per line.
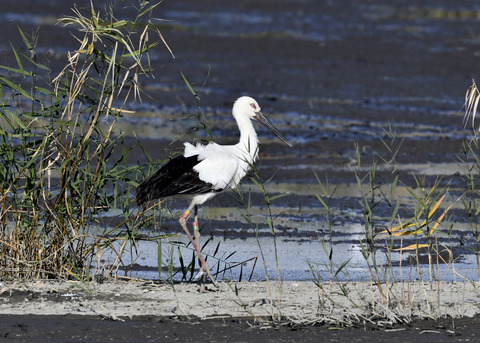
201, 279
203, 275
200, 276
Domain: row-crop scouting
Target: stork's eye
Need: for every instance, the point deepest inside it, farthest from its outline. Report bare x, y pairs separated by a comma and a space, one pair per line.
253, 106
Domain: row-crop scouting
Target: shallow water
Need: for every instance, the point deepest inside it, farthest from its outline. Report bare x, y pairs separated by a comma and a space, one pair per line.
329, 74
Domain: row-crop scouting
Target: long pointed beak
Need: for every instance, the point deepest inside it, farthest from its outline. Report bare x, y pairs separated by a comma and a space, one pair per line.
265, 122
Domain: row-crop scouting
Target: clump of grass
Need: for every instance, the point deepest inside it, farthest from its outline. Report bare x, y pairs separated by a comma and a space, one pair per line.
60, 167
391, 293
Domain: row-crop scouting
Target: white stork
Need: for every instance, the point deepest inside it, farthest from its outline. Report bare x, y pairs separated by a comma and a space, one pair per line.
205, 170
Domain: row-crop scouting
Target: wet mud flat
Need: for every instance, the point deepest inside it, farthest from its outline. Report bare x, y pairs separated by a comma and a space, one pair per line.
329, 75
381, 75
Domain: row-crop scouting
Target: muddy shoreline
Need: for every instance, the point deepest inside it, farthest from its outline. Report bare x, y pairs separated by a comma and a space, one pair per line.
145, 311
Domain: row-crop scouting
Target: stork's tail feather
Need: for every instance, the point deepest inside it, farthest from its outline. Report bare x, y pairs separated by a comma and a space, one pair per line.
152, 188
141, 193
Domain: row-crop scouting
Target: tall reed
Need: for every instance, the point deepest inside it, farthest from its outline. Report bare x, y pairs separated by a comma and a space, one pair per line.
60, 163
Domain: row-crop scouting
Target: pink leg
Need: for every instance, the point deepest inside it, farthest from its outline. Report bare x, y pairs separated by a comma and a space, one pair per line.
196, 245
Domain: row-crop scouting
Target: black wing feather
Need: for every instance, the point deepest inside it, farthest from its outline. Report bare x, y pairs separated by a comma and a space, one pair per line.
175, 177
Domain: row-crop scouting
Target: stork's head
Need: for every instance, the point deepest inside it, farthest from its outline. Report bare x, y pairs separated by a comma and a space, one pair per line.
246, 106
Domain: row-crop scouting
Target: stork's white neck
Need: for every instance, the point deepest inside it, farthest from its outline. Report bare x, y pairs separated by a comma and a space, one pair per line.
248, 137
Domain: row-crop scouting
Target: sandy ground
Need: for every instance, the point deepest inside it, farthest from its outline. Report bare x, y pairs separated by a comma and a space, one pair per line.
144, 311
302, 301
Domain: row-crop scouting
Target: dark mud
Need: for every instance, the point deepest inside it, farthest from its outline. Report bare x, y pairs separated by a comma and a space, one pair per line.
92, 329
